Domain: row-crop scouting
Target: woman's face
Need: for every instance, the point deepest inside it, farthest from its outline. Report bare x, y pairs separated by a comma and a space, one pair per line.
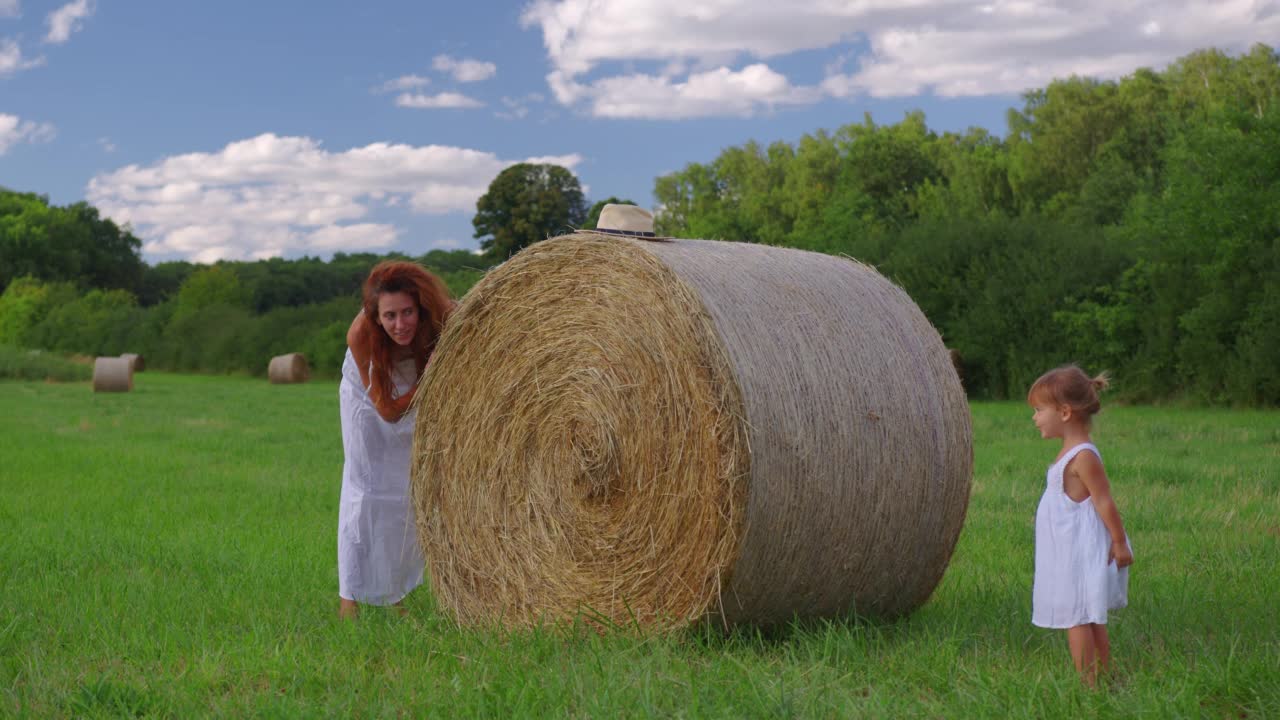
398, 315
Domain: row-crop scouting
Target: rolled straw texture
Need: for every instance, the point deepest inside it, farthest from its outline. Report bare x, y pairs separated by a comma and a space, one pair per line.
112, 374
290, 368
660, 432
136, 361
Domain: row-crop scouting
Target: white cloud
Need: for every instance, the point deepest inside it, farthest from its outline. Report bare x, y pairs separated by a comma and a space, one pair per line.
67, 19
269, 195
11, 60
518, 107
514, 112
443, 100
359, 236
895, 47
106, 145
402, 83
9, 8
445, 244
464, 70
715, 92
14, 130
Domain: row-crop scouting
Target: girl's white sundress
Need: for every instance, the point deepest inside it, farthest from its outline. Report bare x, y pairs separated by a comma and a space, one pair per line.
1074, 582
379, 559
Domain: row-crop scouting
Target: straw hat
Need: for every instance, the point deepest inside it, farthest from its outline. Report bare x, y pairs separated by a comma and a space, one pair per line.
628, 220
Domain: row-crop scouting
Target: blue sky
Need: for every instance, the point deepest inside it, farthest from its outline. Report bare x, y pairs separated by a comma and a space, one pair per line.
253, 129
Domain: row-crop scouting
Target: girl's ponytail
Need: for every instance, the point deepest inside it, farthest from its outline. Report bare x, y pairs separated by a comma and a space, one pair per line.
1101, 382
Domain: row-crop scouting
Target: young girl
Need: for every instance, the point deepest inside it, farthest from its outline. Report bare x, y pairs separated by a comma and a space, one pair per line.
1082, 552
389, 345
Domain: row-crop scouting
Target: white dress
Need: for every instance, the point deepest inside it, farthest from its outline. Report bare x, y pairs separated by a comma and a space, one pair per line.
379, 559
1074, 582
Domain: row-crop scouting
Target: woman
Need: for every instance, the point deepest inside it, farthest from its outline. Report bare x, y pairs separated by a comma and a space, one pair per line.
388, 346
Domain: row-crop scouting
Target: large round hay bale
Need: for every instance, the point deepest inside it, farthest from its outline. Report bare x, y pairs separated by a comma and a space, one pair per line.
290, 368
136, 361
659, 432
112, 374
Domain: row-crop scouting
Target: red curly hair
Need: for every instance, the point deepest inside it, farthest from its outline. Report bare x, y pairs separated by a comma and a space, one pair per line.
434, 306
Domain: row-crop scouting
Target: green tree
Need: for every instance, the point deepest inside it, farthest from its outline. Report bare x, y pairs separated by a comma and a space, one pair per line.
215, 285
526, 203
162, 281
1056, 139
811, 178
65, 244
24, 303
974, 179
692, 204
112, 259
1211, 239
992, 286
96, 323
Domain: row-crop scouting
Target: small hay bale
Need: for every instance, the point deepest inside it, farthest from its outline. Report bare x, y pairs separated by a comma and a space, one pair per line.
661, 432
138, 362
290, 368
112, 374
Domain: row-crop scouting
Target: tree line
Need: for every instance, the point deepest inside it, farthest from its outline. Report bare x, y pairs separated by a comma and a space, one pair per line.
226, 317
1132, 225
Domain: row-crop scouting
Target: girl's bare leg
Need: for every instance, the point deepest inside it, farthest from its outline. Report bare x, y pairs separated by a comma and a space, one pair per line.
1102, 647
348, 609
1083, 652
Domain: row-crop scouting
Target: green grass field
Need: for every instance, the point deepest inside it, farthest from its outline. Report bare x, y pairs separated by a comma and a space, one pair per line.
172, 552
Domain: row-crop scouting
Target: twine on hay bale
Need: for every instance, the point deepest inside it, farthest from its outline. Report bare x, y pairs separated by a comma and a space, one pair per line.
112, 374
663, 432
136, 361
290, 368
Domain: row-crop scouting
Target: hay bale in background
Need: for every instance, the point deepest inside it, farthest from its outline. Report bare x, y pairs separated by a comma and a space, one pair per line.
291, 368
670, 431
112, 374
136, 361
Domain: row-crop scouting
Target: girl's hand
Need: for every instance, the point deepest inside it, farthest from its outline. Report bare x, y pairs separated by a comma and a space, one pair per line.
1121, 554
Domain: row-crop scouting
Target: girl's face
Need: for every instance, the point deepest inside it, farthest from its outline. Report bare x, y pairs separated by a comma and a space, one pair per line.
398, 315
1049, 418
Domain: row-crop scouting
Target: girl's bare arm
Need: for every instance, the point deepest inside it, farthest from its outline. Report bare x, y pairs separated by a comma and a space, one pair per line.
1089, 469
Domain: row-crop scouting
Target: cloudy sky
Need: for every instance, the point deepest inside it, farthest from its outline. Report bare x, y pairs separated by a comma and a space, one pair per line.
238, 129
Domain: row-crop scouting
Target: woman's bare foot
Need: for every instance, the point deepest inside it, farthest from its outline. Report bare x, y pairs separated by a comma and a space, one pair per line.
348, 609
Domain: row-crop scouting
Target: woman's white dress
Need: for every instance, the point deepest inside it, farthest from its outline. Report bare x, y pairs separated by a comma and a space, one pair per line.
1074, 582
379, 559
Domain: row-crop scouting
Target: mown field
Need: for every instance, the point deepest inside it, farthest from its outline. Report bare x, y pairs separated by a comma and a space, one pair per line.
171, 552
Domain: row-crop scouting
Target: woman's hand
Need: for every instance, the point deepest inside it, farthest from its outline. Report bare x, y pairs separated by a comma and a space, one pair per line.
1120, 554
393, 410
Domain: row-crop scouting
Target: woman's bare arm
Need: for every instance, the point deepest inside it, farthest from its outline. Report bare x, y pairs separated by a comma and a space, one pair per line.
356, 341
393, 410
